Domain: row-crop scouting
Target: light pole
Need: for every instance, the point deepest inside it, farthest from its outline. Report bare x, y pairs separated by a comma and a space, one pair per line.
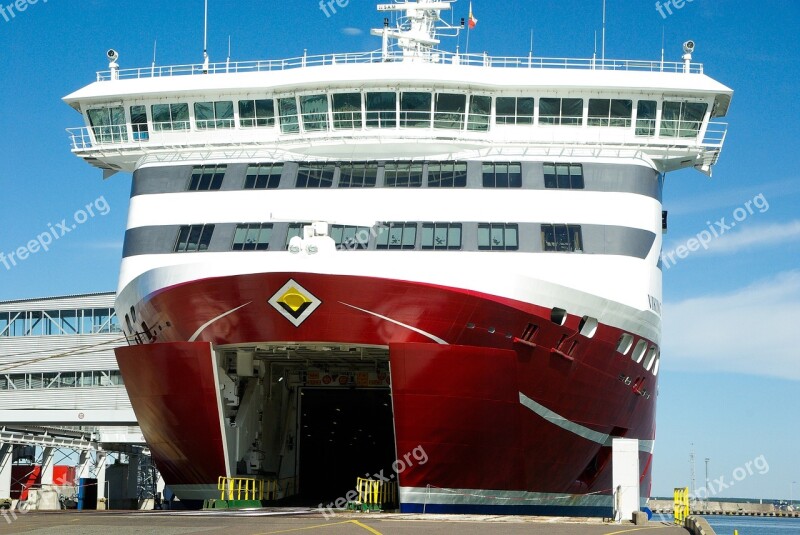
708, 488
791, 493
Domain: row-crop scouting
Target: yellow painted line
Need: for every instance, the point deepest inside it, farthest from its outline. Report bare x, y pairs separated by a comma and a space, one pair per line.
321, 526
636, 529
366, 527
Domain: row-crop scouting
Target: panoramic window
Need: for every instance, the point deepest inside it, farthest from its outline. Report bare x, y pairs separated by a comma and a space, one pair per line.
167, 117
213, 115
381, 110
447, 175
415, 110
315, 112
403, 175
358, 175
562, 238
682, 119
396, 236
252, 237
139, 125
287, 107
193, 238
441, 236
315, 175
498, 237
610, 112
450, 111
646, 117
480, 112
207, 177
563, 176
263, 176
561, 111
502, 175
346, 111
515, 110
256, 113
109, 124
349, 237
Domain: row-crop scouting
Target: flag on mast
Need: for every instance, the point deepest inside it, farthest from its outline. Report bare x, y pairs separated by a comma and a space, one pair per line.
472, 20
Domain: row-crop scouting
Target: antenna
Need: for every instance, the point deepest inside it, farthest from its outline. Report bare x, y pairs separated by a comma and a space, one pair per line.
604, 33
662, 48
205, 38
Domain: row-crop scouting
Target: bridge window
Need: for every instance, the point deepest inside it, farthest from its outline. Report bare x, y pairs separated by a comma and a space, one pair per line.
441, 236
347, 111
193, 238
315, 112
252, 237
358, 175
561, 111
415, 110
263, 176
682, 119
562, 238
349, 237
646, 117
610, 112
213, 115
480, 111
207, 177
167, 117
563, 176
256, 113
447, 175
287, 108
382, 110
315, 176
498, 237
295, 229
502, 175
139, 123
403, 175
515, 110
109, 124
450, 111
396, 236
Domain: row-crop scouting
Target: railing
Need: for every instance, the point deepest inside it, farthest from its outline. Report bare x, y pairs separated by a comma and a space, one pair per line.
444, 58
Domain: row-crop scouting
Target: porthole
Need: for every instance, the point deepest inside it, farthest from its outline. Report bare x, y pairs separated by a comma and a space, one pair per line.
651, 358
657, 366
588, 326
638, 351
558, 316
624, 344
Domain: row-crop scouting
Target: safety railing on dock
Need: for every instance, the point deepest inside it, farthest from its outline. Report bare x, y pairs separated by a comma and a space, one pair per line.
374, 495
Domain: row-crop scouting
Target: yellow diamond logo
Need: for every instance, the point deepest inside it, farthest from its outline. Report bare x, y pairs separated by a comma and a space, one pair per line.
294, 302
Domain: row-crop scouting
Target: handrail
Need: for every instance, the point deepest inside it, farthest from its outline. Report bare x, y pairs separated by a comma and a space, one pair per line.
360, 58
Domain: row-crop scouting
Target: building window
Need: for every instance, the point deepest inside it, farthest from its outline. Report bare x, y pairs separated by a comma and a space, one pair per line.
287, 107
515, 110
139, 123
315, 175
252, 237
315, 112
451, 109
381, 110
498, 237
256, 113
263, 176
561, 111
682, 119
610, 112
109, 124
646, 117
562, 238
563, 176
358, 175
480, 112
502, 175
349, 237
207, 177
193, 238
441, 236
346, 111
396, 236
415, 110
447, 175
167, 117
213, 115
403, 175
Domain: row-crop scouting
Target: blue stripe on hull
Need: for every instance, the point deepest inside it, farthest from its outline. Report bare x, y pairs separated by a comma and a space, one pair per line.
532, 510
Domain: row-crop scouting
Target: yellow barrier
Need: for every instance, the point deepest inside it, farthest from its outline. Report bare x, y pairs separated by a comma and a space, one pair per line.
374, 494
240, 488
681, 505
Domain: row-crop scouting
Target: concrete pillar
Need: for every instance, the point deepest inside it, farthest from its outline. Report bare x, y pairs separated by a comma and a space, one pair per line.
84, 465
48, 462
100, 469
6, 458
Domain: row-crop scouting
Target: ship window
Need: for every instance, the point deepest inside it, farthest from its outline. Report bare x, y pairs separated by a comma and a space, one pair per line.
624, 344
168, 117
638, 351
139, 123
498, 237
563, 176
646, 118
441, 236
502, 175
415, 110
347, 110
295, 229
253, 113
315, 112
450, 111
559, 317
682, 119
515, 110
252, 237
588, 326
263, 176
315, 176
561, 111
480, 111
348, 237
396, 236
109, 124
207, 177
651, 358
403, 175
657, 366
381, 110
562, 238
193, 238
287, 108
610, 112
213, 115
358, 175
447, 175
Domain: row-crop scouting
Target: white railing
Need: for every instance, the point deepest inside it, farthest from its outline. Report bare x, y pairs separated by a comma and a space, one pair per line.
474, 60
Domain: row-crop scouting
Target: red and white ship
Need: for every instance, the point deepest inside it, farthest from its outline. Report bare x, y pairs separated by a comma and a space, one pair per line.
334, 261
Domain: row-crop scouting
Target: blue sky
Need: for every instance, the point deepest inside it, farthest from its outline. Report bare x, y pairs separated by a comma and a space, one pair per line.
731, 367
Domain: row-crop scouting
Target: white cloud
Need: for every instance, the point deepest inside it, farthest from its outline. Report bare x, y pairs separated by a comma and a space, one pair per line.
752, 330
352, 31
